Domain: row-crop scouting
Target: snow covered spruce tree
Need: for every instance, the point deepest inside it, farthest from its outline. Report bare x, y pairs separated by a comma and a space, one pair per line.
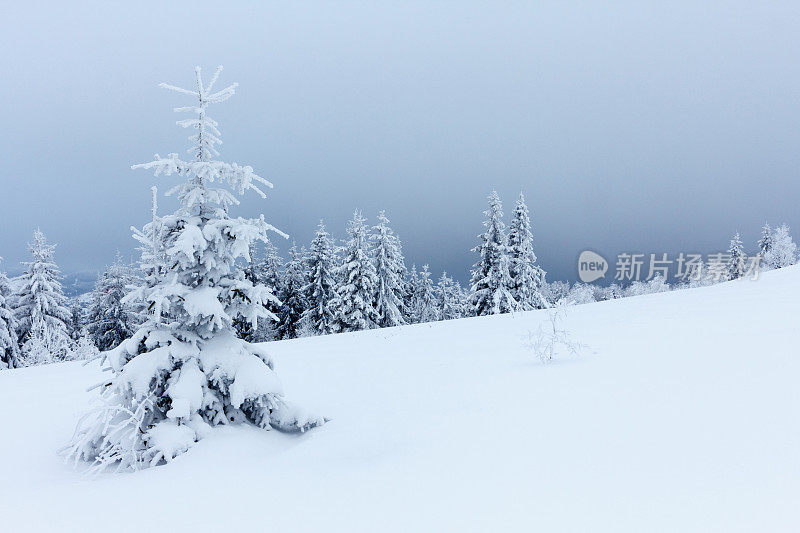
736, 259
765, 242
262, 270
353, 307
320, 287
184, 370
491, 284
109, 320
783, 250
449, 301
423, 306
527, 278
293, 303
41, 308
390, 271
9, 345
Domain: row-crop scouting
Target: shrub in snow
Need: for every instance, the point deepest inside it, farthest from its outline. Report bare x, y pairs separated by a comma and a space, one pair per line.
551, 339
527, 278
580, 293
184, 370
782, 250
41, 307
491, 283
320, 289
556, 291
638, 288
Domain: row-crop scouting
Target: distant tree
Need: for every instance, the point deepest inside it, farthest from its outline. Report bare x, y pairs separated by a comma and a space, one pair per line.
655, 285
77, 321
9, 344
320, 287
290, 293
765, 242
424, 307
491, 282
449, 299
410, 290
41, 307
783, 250
109, 320
527, 278
353, 305
390, 274
736, 260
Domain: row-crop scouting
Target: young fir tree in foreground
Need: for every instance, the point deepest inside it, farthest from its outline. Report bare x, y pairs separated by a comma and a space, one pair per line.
41, 307
293, 302
390, 273
527, 278
184, 370
320, 287
491, 286
353, 307
9, 345
109, 320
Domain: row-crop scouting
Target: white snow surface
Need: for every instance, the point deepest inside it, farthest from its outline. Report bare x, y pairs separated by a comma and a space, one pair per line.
682, 416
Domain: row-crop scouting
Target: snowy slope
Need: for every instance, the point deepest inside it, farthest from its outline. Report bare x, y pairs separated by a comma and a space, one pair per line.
684, 419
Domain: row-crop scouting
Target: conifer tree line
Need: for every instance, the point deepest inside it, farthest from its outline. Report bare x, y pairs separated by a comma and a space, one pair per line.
361, 282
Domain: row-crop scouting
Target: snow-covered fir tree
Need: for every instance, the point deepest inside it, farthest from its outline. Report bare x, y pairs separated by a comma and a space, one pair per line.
262, 270
77, 321
184, 371
293, 302
320, 287
527, 278
9, 345
765, 242
449, 300
410, 289
353, 306
736, 259
109, 320
423, 303
40, 306
783, 250
390, 271
491, 283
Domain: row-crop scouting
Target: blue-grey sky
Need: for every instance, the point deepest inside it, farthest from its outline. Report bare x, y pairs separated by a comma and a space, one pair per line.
631, 126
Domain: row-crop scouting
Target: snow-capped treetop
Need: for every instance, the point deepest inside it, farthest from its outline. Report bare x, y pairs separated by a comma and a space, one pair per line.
194, 193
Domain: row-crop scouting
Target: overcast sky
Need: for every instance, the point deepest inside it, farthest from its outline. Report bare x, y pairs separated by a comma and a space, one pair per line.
635, 127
